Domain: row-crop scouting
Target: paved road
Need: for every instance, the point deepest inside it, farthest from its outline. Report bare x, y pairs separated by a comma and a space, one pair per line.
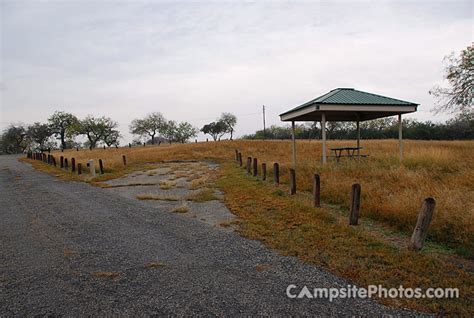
55, 235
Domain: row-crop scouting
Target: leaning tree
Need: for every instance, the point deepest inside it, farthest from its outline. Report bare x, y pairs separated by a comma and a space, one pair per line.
230, 120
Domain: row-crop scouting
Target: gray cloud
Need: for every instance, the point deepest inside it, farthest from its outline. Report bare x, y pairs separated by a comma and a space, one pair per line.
192, 61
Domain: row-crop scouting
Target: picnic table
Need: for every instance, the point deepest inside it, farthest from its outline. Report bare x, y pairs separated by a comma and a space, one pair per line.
351, 152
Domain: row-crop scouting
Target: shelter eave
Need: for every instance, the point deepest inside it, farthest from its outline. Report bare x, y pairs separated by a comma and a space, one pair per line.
346, 112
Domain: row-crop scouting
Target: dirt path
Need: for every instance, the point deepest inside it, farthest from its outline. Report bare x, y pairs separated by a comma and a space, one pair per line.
68, 248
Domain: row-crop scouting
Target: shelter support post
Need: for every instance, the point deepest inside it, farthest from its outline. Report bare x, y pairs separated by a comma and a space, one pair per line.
293, 140
358, 138
400, 138
323, 133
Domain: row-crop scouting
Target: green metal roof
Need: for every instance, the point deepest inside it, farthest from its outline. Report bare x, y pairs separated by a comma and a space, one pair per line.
350, 96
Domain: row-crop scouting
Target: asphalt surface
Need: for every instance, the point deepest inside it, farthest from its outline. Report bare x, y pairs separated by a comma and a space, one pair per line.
71, 249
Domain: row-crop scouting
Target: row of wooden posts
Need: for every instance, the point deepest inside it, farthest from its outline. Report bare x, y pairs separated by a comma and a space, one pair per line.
424, 217
64, 163
252, 169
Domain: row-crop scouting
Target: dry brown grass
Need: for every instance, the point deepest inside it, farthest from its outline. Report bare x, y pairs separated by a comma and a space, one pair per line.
229, 223
105, 185
106, 275
154, 265
391, 192
202, 195
199, 182
262, 267
160, 197
167, 184
322, 237
183, 208
67, 252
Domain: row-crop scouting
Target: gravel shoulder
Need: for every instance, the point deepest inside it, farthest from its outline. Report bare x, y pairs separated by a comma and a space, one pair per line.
71, 249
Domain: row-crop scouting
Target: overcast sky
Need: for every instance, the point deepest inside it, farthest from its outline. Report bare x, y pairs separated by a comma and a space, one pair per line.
194, 60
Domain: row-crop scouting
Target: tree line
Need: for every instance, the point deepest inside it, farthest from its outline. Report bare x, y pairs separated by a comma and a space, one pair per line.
460, 127
63, 128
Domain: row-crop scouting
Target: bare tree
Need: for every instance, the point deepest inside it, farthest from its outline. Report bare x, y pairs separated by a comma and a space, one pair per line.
459, 96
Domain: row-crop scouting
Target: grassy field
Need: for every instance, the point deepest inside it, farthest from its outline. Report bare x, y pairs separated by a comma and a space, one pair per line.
391, 192
372, 253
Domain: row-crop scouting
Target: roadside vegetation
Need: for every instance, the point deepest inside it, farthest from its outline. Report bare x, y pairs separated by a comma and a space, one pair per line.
392, 193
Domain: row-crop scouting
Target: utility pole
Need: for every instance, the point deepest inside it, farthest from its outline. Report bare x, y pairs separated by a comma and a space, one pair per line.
263, 108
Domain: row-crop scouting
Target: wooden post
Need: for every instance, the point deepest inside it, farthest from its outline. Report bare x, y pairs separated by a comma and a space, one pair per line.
66, 164
73, 165
421, 229
124, 159
249, 164
276, 173
293, 143
292, 181
264, 171
323, 135
54, 161
358, 138
255, 166
129, 145
240, 159
355, 205
236, 155
400, 137
79, 168
61, 162
101, 166
316, 191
